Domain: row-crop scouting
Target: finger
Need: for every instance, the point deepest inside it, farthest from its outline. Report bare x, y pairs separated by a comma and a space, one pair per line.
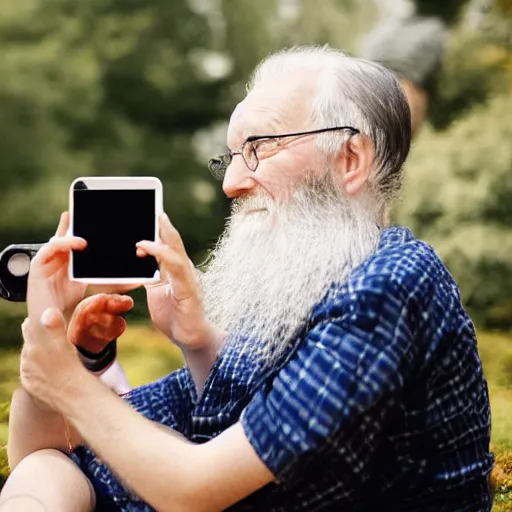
108, 328
169, 234
60, 245
83, 316
183, 281
93, 330
90, 305
102, 303
117, 304
165, 255
111, 304
63, 226
155, 293
141, 253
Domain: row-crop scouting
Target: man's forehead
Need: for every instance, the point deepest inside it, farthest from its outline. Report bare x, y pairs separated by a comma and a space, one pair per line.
269, 109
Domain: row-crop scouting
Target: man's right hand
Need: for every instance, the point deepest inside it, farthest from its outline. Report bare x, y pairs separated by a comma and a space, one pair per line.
97, 320
176, 304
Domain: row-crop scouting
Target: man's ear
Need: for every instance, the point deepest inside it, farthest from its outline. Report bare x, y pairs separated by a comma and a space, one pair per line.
354, 164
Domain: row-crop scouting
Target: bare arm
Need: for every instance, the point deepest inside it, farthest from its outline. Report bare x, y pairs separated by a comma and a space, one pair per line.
171, 473
34, 426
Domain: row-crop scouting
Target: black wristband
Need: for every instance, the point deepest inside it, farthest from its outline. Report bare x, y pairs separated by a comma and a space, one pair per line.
96, 362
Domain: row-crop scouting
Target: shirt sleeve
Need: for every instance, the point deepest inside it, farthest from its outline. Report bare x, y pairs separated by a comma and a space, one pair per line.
340, 384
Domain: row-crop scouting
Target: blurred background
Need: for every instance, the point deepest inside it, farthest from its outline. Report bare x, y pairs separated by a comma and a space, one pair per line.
146, 87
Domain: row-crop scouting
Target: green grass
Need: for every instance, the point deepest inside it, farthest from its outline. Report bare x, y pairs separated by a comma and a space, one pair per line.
146, 355
496, 353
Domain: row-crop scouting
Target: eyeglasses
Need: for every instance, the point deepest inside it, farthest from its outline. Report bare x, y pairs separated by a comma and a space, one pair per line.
249, 151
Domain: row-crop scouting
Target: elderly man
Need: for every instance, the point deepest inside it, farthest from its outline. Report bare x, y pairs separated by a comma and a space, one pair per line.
330, 363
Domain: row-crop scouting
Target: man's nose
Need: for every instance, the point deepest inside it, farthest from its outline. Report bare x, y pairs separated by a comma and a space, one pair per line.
238, 179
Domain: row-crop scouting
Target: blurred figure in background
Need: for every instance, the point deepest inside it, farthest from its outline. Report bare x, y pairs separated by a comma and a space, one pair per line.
413, 49
412, 45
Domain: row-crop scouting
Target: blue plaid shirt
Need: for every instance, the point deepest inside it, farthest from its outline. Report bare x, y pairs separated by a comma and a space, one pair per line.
381, 404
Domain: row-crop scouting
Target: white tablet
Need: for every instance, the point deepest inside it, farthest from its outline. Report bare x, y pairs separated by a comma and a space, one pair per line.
113, 214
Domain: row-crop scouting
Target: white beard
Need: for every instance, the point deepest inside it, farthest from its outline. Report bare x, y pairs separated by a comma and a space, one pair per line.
271, 267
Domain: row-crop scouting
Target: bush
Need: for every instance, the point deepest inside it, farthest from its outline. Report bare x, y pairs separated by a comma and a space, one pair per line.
10, 329
4, 466
501, 482
458, 197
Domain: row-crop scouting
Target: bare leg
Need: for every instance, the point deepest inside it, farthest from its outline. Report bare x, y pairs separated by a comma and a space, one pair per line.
47, 481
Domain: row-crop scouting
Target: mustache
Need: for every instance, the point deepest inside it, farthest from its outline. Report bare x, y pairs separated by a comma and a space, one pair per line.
252, 202
313, 191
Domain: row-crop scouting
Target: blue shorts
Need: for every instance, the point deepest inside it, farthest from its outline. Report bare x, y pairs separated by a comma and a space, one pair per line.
172, 402
167, 401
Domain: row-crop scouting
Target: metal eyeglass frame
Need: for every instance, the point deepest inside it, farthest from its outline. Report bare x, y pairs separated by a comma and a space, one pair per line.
218, 165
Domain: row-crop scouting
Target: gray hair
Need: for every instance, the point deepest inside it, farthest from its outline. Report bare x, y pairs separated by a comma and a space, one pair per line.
352, 92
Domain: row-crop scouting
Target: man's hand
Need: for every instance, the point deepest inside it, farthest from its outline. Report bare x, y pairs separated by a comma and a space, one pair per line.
96, 321
46, 369
48, 282
50, 369
175, 304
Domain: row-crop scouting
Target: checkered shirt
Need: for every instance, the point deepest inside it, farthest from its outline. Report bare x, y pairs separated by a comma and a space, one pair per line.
380, 404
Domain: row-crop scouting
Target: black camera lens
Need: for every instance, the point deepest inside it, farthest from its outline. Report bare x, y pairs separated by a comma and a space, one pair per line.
14, 267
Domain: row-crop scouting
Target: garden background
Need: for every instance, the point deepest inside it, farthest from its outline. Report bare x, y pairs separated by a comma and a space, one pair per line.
145, 87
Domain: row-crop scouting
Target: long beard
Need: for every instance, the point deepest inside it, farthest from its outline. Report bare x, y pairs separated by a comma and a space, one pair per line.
275, 262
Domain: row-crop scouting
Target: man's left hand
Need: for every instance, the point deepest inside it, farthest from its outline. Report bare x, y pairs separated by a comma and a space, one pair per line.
48, 360
48, 281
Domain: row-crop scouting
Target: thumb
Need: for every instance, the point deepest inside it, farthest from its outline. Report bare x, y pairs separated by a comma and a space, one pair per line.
53, 319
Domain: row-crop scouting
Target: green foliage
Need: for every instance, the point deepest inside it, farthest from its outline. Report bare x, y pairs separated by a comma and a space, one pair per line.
458, 197
4, 465
501, 481
475, 67
458, 192
11, 317
4, 412
448, 10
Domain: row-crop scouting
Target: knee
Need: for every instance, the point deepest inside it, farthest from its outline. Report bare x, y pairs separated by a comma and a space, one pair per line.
47, 480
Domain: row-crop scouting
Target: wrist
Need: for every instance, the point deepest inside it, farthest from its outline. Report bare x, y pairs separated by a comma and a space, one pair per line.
73, 400
210, 340
66, 387
99, 362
